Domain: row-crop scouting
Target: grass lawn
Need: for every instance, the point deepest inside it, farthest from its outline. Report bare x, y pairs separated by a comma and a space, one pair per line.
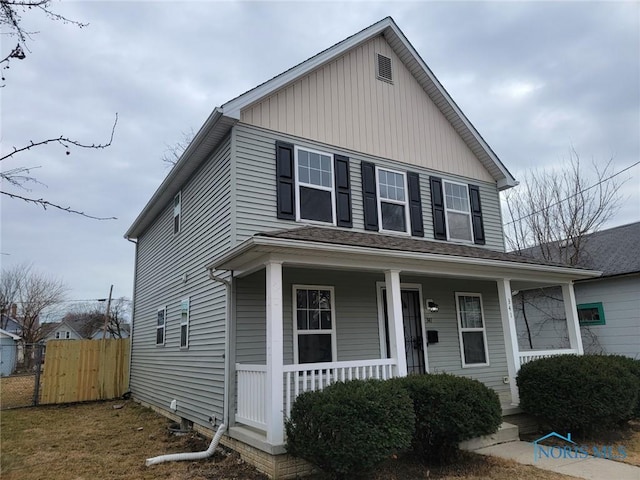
94, 440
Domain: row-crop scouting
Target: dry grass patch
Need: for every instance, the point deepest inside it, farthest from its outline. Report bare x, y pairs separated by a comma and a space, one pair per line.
16, 391
94, 440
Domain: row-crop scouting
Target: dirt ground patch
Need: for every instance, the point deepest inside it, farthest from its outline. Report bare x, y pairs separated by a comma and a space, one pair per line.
94, 440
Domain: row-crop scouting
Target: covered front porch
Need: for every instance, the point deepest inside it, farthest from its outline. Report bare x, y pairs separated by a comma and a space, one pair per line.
308, 314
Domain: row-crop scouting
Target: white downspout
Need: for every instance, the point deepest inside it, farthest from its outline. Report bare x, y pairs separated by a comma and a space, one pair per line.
176, 457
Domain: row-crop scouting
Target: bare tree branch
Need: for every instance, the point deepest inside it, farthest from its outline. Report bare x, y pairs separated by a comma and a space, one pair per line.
46, 204
173, 152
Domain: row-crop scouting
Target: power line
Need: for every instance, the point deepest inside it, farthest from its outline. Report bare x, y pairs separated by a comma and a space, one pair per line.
574, 195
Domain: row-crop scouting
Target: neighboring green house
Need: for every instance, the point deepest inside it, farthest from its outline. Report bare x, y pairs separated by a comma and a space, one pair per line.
341, 220
608, 306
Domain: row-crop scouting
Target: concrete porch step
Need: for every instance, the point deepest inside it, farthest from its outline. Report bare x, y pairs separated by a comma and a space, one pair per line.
506, 433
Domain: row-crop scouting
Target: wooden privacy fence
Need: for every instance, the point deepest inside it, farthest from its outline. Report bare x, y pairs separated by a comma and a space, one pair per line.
82, 370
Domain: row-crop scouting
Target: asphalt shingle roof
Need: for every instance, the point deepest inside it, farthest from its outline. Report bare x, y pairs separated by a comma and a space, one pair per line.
406, 244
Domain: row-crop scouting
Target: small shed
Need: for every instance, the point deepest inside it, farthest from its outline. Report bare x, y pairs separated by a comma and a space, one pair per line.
8, 352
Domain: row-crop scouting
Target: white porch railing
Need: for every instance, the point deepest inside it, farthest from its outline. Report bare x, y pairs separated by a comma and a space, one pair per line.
252, 389
531, 355
251, 395
316, 376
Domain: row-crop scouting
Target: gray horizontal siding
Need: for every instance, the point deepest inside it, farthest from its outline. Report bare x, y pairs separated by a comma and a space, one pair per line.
255, 186
195, 376
358, 336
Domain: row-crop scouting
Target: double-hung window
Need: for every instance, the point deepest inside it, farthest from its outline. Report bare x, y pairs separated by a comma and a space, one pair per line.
184, 323
314, 324
177, 210
315, 182
458, 213
393, 214
471, 329
161, 324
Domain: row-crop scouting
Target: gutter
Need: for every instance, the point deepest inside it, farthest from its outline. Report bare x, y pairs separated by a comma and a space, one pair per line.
397, 254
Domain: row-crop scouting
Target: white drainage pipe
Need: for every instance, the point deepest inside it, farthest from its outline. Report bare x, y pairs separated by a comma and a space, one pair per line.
176, 457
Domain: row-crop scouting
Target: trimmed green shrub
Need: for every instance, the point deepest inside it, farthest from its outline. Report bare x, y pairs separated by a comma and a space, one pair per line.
633, 366
349, 428
578, 394
449, 409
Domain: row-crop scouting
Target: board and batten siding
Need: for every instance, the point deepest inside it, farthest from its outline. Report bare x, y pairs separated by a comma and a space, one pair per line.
193, 376
343, 103
255, 186
357, 325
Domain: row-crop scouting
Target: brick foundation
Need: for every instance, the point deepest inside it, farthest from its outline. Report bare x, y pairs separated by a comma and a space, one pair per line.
277, 467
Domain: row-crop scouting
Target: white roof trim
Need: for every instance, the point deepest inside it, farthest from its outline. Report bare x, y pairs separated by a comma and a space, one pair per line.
401, 46
11, 335
256, 241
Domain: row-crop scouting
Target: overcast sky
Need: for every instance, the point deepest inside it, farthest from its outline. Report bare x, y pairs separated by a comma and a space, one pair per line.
534, 78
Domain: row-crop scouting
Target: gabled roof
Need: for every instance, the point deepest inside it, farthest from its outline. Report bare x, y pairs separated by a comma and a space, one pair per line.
4, 333
223, 118
614, 251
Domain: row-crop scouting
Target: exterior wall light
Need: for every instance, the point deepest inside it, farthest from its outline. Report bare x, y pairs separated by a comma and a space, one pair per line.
432, 306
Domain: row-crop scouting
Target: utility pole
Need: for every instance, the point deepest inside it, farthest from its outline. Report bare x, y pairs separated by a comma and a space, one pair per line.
106, 315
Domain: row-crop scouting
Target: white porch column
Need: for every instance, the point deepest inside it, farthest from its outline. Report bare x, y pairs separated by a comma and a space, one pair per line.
396, 325
510, 336
571, 312
275, 382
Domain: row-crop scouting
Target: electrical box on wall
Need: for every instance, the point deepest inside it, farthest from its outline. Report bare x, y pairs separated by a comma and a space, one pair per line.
432, 337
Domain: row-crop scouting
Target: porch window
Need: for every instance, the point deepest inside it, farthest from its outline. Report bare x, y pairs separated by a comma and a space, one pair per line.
184, 323
471, 328
458, 214
392, 200
315, 186
314, 324
160, 325
591, 314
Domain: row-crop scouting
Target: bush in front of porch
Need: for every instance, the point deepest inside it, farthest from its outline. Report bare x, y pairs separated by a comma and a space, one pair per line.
578, 394
349, 428
449, 409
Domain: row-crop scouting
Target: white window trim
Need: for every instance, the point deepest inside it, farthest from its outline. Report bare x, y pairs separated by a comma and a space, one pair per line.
467, 329
296, 332
447, 210
164, 326
397, 202
381, 286
317, 187
183, 322
177, 212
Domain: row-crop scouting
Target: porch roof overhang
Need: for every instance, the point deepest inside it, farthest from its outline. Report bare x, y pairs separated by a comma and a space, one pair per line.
341, 249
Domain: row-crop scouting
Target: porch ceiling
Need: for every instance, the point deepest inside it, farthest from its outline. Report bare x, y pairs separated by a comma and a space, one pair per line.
341, 249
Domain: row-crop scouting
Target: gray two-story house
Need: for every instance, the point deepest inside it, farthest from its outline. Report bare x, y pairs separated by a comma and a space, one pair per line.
341, 220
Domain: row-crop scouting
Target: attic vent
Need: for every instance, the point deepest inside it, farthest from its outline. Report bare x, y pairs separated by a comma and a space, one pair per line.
384, 68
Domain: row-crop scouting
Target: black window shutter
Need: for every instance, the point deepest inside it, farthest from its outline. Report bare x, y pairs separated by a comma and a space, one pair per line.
476, 215
369, 196
343, 191
286, 181
437, 207
415, 204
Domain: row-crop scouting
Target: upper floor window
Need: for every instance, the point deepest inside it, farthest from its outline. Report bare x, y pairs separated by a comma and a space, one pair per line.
161, 324
314, 324
177, 210
392, 200
312, 186
456, 200
184, 323
457, 211
66, 335
315, 186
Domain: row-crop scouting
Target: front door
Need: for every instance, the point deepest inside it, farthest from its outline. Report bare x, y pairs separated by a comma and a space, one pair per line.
412, 320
